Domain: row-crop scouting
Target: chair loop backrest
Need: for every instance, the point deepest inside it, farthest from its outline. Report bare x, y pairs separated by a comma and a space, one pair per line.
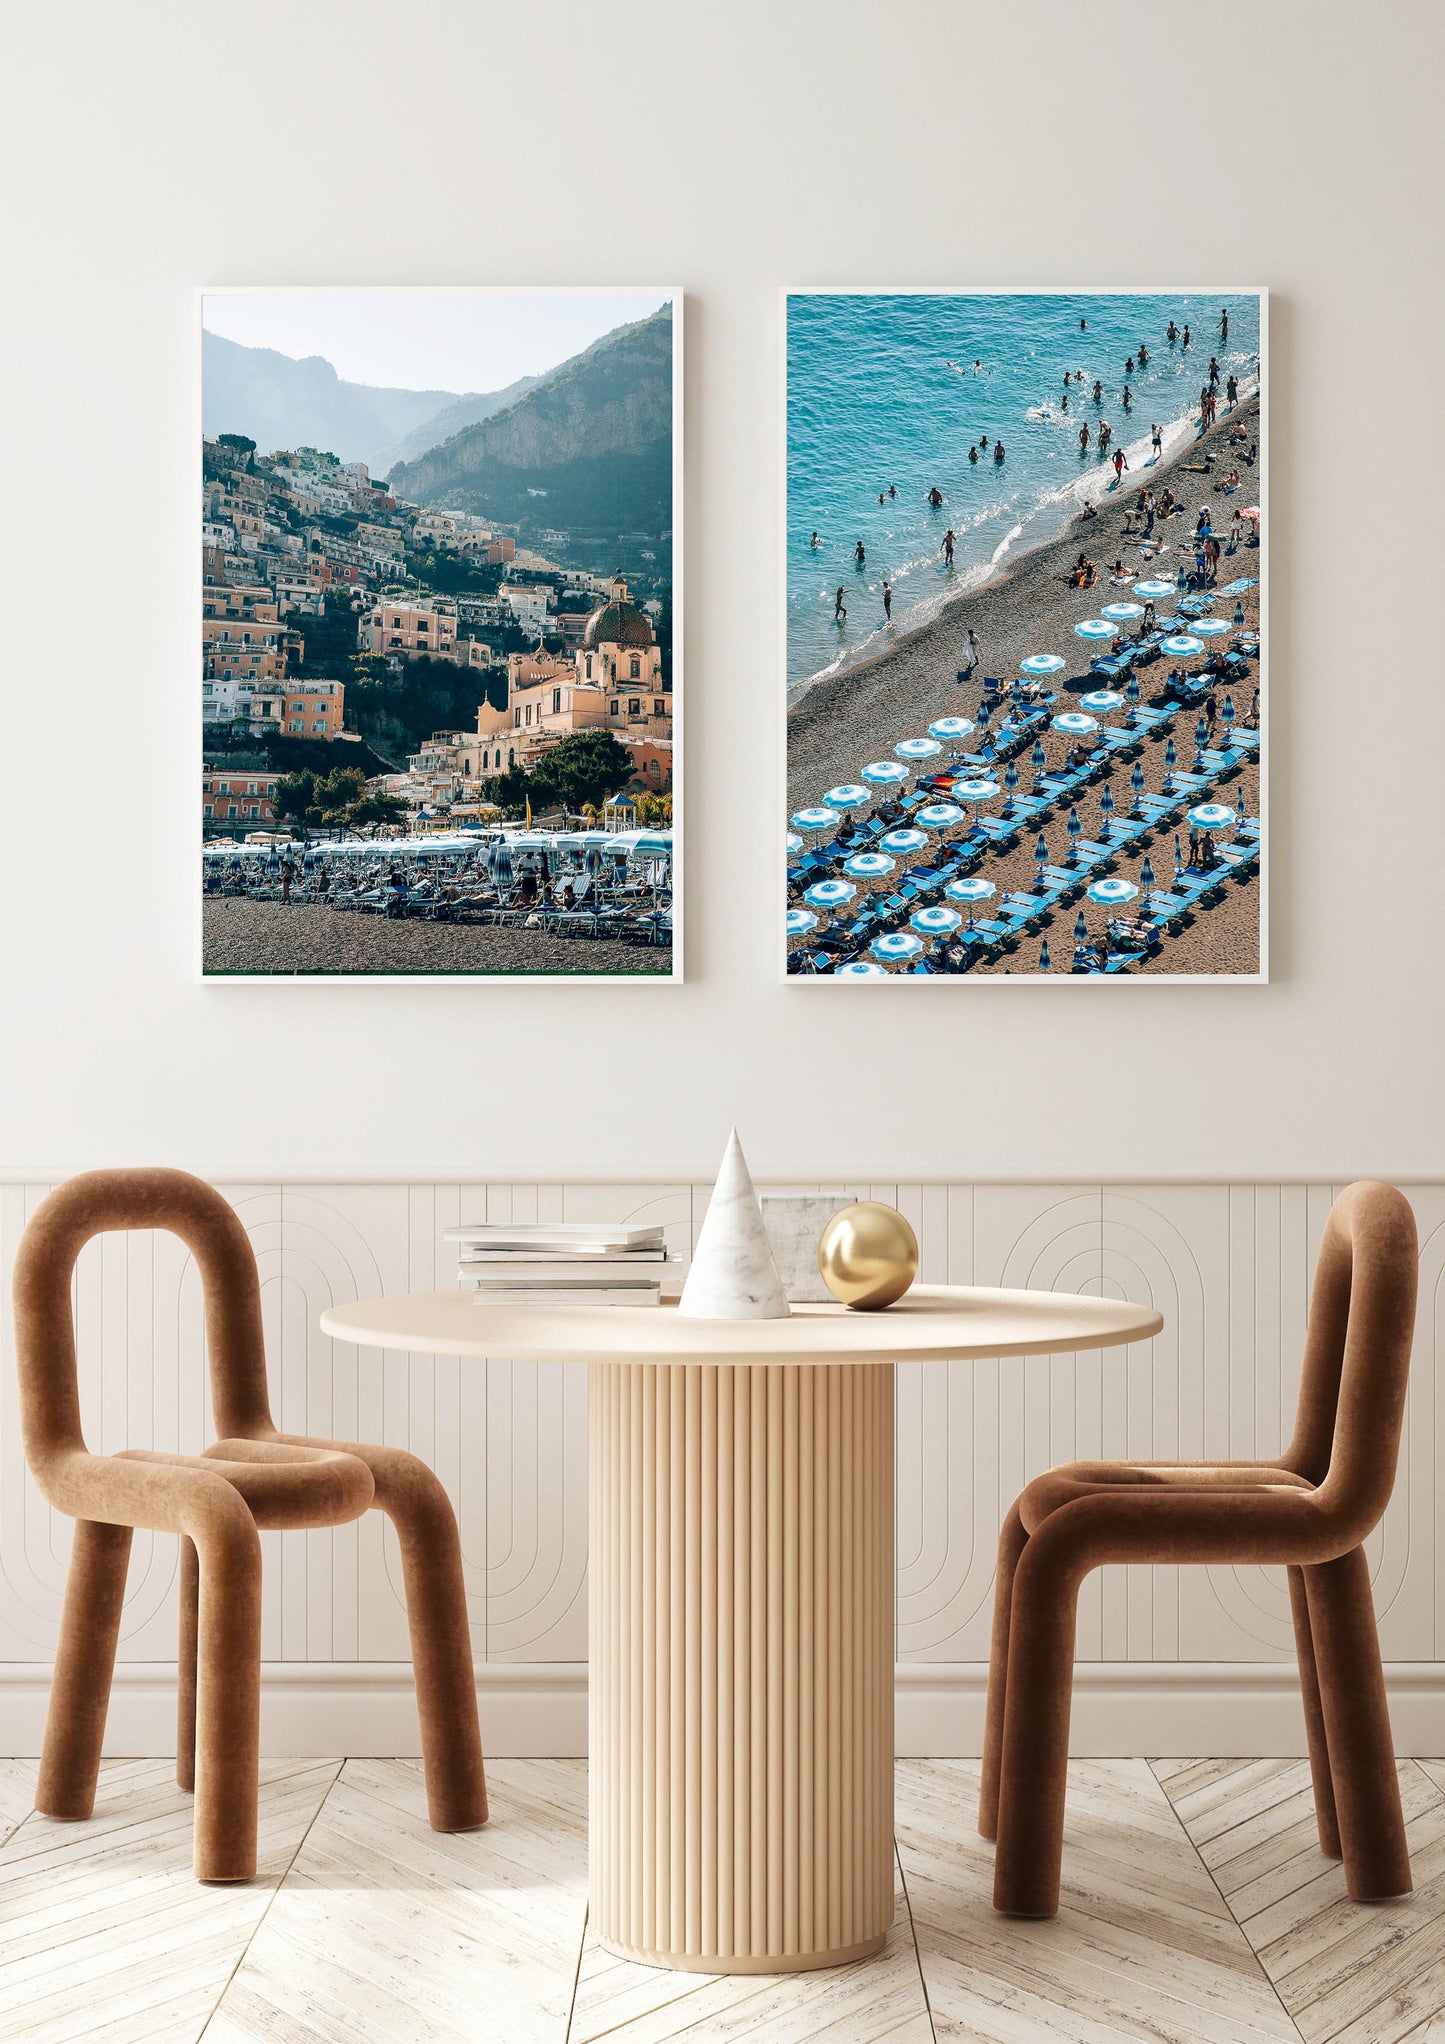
1357, 1355
93, 1204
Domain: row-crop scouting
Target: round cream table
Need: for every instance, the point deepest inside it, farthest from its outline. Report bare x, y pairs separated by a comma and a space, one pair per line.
741, 1646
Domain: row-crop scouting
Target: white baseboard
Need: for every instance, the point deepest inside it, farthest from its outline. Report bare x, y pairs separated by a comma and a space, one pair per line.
357, 1708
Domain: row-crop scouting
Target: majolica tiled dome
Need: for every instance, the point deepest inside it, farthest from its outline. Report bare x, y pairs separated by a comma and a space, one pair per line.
618, 624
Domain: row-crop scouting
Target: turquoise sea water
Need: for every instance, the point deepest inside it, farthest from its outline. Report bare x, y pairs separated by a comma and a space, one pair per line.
883, 389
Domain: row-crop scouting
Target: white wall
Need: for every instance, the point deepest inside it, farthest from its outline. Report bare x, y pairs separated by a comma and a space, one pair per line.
148, 149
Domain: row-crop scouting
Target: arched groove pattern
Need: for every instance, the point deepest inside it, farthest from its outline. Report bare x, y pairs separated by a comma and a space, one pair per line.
1228, 1266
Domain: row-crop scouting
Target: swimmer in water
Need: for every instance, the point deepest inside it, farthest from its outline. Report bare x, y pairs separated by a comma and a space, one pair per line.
947, 548
973, 455
935, 496
977, 368
1224, 322
860, 553
1173, 333
1143, 354
892, 490
840, 609
1184, 338
1128, 397
888, 603
1129, 366
1084, 438
983, 444
1098, 391
814, 540
998, 451
1066, 401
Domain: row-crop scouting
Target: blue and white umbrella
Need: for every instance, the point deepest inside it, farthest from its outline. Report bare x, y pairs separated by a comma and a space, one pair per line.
830, 894
1041, 855
1227, 714
851, 795
1094, 628
815, 819
502, 865
1153, 588
1038, 755
897, 945
970, 893
800, 921
1211, 816
1075, 723
1183, 644
1041, 663
1106, 805
938, 815
1136, 778
1101, 700
1210, 627
1112, 893
1045, 962
935, 922
1122, 612
975, 792
860, 968
1146, 875
918, 751
1081, 928
1074, 825
1240, 812
884, 773
868, 866
900, 842
793, 842
949, 730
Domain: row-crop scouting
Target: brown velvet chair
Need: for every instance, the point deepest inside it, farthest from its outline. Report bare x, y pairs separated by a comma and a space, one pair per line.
252, 1477
1309, 1510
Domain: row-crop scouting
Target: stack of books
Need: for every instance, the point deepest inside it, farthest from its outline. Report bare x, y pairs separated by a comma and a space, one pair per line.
580, 1263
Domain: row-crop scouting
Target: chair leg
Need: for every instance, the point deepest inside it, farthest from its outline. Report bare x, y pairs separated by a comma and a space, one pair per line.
190, 1591
1357, 1729
228, 1697
441, 1644
1011, 1544
1309, 1683
84, 1664
1034, 1773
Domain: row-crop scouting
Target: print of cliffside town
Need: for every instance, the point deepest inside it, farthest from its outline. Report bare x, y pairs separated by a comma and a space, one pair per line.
421, 609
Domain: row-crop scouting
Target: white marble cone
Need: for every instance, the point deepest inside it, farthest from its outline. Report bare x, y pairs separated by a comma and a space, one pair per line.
733, 1275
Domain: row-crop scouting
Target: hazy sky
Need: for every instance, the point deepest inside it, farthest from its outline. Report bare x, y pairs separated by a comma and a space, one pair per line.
426, 340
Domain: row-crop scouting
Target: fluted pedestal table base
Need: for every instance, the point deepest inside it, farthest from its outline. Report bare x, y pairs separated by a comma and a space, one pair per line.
741, 1663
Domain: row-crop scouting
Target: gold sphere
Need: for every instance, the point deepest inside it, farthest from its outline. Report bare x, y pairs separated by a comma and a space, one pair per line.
868, 1255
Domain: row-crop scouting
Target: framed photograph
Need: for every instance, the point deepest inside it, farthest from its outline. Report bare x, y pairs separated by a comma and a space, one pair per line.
1025, 621
441, 634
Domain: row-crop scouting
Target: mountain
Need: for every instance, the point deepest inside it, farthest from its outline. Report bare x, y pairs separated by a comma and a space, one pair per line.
281, 402
587, 450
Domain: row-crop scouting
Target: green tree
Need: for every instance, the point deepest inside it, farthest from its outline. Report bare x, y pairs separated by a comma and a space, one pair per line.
338, 800
583, 767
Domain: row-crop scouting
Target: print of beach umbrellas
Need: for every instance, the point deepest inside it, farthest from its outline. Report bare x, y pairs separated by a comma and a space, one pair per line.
901, 841
1094, 628
938, 815
868, 866
793, 841
935, 922
860, 968
950, 730
800, 921
1211, 816
815, 819
1210, 627
1041, 663
1101, 700
830, 894
1075, 723
850, 795
1122, 612
1153, 588
1182, 643
897, 945
1112, 893
918, 751
970, 893
884, 773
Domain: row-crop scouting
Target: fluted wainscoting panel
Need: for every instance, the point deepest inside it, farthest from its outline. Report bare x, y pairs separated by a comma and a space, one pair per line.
1227, 1265
741, 1661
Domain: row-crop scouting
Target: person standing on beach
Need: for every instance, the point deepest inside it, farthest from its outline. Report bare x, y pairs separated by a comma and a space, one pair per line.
888, 603
840, 610
1120, 463
1231, 389
975, 650
1157, 437
947, 548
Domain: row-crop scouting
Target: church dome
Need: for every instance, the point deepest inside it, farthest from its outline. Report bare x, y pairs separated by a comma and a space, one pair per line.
618, 623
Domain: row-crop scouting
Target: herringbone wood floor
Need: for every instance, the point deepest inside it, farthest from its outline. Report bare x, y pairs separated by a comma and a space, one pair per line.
1197, 1909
